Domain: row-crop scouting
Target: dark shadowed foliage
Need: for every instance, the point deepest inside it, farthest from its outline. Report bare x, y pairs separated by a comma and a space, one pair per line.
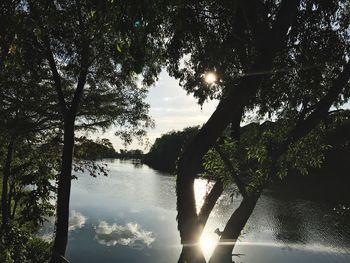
166, 149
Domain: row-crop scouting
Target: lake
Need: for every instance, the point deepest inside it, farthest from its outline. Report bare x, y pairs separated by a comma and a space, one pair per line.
130, 216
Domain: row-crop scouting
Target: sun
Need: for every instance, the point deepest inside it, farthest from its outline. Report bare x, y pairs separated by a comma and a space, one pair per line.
210, 77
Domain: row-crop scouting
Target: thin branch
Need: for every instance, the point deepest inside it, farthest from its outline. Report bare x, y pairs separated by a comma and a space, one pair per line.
237, 179
321, 109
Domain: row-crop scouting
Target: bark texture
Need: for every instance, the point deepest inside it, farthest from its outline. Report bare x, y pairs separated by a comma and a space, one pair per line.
5, 207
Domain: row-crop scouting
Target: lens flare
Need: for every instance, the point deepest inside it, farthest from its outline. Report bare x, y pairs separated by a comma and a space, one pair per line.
210, 77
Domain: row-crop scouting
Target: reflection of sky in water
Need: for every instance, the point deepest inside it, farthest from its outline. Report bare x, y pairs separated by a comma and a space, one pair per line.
129, 235
135, 207
76, 220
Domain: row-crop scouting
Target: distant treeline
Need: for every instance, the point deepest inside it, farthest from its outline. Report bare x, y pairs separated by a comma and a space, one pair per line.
102, 148
129, 154
166, 149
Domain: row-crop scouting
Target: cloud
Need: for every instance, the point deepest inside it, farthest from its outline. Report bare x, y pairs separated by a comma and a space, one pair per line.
129, 235
168, 98
76, 220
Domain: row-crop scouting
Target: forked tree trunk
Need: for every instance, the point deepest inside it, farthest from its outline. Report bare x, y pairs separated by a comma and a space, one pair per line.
63, 193
203, 216
192, 253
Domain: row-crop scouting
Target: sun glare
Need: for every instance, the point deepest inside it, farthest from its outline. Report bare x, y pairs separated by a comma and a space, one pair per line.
210, 77
207, 244
201, 188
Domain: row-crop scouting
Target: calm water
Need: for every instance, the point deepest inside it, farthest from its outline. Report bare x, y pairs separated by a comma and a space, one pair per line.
129, 216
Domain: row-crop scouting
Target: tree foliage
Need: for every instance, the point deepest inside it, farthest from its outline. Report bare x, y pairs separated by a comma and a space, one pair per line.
279, 61
88, 64
166, 149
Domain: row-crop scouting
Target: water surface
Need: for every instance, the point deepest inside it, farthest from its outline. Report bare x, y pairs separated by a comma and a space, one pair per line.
130, 216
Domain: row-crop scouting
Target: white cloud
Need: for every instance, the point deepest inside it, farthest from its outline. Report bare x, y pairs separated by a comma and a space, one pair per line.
76, 220
167, 99
129, 235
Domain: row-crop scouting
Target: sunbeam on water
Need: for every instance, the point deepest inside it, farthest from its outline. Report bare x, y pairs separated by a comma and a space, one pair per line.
208, 244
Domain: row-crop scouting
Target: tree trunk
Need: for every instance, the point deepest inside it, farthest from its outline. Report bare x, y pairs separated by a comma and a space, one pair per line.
191, 253
14, 207
228, 109
10, 195
190, 234
63, 193
203, 215
268, 42
189, 160
209, 202
5, 209
233, 228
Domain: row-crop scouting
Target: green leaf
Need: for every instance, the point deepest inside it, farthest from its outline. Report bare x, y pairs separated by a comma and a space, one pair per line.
119, 48
92, 13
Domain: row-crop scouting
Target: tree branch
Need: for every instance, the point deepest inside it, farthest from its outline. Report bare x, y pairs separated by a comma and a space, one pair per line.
210, 202
255, 20
228, 165
285, 18
321, 109
84, 65
50, 57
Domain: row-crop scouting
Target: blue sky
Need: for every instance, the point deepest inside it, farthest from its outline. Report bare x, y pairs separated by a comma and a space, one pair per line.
171, 109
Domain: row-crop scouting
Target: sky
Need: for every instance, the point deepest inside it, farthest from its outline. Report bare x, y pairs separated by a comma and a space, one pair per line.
170, 108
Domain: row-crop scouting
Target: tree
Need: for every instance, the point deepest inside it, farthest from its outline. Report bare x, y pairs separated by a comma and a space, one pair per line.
87, 149
94, 51
287, 60
28, 139
167, 148
25, 125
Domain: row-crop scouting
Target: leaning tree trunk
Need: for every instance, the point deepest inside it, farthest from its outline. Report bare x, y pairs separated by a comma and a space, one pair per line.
5, 209
233, 228
63, 193
229, 108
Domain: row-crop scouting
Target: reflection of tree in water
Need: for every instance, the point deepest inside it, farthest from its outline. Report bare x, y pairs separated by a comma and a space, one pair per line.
289, 227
